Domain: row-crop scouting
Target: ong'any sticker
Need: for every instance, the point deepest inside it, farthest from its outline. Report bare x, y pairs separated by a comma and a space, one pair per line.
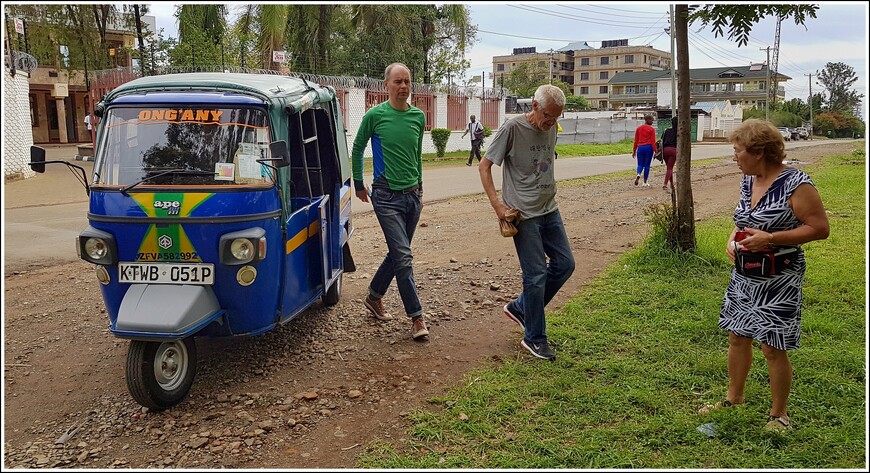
198, 115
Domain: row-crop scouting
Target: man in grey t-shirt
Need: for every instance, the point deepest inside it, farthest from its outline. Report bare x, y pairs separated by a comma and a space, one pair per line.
525, 149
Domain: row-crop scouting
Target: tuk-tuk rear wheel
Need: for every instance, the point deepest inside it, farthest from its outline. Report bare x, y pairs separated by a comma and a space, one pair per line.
331, 297
160, 374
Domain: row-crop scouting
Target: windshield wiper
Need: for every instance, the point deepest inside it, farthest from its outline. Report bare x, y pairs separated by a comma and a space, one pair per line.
188, 172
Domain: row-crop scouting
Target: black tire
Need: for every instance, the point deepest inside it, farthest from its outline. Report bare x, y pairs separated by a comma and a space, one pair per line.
331, 297
160, 387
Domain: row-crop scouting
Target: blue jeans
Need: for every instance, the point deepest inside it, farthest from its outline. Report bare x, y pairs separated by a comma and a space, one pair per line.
536, 239
398, 213
644, 160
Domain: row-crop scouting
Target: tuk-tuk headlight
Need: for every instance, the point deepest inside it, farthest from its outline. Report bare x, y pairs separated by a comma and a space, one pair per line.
243, 247
98, 247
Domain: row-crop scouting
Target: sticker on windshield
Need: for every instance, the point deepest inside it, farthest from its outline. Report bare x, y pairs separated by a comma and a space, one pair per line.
199, 115
224, 171
249, 168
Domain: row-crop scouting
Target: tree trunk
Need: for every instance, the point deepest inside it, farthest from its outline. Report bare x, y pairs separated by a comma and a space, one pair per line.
141, 40
101, 20
685, 203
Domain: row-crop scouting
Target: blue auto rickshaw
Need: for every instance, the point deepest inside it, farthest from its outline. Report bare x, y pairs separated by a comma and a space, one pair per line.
220, 205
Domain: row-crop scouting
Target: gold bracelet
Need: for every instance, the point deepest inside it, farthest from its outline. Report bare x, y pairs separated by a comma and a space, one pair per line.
770, 239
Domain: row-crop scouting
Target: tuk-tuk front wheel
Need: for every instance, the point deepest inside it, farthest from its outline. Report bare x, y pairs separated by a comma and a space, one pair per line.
331, 297
160, 374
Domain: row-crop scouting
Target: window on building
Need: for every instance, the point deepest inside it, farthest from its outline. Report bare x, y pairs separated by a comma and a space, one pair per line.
602, 89
629, 70
604, 75
602, 104
34, 111
584, 76
629, 59
584, 90
499, 67
584, 61
644, 58
605, 60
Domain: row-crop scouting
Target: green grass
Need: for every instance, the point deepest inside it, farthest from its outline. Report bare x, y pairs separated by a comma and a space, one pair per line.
458, 158
639, 351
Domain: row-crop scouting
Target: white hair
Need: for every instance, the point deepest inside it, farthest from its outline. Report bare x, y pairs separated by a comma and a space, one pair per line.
547, 94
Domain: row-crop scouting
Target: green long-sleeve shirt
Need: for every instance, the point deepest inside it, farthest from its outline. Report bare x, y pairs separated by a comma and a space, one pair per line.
397, 145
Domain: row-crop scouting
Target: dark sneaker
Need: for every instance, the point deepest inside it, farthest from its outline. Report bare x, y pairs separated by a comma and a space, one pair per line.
637, 179
376, 307
520, 319
418, 328
540, 350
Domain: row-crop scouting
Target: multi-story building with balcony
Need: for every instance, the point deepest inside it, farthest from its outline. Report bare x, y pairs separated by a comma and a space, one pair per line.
746, 86
58, 92
594, 68
558, 64
586, 69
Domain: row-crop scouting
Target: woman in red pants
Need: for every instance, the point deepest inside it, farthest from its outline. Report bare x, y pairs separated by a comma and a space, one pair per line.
669, 152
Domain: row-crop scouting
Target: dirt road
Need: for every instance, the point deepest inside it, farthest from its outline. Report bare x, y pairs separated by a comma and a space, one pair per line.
315, 392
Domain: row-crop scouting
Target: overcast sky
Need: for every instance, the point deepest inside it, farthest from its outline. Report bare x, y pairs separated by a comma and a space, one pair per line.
837, 34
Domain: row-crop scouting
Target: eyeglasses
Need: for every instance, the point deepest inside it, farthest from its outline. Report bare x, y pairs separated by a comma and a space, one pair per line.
548, 117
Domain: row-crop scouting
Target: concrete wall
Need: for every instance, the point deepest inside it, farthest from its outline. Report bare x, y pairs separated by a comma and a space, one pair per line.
17, 136
596, 130
356, 110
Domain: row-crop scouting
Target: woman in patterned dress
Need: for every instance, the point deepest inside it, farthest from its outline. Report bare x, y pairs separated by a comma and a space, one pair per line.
778, 206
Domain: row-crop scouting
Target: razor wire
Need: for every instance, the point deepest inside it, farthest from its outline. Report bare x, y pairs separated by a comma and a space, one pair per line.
337, 82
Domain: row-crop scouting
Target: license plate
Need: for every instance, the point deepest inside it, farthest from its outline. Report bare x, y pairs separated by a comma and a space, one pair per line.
166, 273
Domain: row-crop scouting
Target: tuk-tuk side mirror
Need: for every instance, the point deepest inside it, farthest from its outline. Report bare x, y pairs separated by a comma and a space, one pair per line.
280, 154
100, 109
37, 159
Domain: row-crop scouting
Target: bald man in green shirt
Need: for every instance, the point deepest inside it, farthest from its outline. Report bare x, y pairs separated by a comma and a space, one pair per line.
395, 129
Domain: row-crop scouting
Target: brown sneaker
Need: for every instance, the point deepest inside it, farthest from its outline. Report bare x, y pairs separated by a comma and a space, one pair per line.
376, 307
418, 329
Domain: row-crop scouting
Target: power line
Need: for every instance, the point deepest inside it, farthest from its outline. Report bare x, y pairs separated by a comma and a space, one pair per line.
646, 17
577, 18
608, 8
555, 40
718, 48
692, 44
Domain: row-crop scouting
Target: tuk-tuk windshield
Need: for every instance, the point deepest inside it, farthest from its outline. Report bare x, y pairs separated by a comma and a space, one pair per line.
183, 146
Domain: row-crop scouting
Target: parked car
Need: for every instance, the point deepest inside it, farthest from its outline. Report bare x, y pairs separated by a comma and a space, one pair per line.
786, 133
803, 133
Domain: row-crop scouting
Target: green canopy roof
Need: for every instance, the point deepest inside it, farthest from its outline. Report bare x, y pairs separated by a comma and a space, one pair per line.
277, 89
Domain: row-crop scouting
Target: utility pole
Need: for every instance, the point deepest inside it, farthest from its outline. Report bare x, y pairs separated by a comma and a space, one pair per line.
811, 105
673, 68
767, 92
551, 65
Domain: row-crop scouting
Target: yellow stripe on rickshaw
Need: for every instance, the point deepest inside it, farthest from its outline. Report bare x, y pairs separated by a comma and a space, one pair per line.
302, 236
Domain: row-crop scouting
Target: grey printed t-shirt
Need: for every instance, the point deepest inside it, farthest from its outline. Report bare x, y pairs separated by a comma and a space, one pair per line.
526, 157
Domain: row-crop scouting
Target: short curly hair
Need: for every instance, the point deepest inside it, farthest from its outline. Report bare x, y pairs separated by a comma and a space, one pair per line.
760, 137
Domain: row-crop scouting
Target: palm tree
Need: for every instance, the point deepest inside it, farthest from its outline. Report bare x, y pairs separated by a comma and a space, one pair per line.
270, 24
194, 19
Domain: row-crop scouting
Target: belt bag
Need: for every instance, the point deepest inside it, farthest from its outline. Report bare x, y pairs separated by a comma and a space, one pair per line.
765, 263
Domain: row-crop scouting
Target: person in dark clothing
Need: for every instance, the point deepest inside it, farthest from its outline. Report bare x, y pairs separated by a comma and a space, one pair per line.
669, 152
476, 130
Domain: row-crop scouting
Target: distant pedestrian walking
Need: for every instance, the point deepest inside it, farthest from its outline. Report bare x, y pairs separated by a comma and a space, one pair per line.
644, 148
669, 152
476, 130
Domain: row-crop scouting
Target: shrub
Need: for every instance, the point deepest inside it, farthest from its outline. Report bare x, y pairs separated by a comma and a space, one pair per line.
440, 136
663, 219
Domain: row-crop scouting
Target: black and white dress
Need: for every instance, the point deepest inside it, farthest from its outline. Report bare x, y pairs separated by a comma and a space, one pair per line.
767, 309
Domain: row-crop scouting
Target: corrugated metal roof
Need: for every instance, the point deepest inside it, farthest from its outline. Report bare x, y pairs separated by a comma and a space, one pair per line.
709, 73
575, 46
